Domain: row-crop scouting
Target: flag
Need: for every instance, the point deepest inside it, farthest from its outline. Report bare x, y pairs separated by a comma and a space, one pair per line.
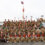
23, 13
22, 2
23, 9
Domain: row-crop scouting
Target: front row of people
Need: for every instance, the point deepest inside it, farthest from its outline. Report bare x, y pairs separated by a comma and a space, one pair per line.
26, 37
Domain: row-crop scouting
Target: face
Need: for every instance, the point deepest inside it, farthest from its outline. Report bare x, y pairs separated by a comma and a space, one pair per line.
33, 33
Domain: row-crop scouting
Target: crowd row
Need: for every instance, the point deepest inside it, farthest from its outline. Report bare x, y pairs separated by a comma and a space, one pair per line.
14, 31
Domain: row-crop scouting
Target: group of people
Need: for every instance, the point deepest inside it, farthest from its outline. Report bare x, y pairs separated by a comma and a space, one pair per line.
23, 31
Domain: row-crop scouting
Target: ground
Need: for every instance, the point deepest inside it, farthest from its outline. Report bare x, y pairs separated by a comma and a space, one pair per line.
24, 43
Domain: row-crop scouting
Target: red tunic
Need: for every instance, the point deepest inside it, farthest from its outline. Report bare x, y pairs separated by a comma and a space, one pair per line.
24, 35
43, 35
38, 35
19, 35
29, 35
15, 35
10, 35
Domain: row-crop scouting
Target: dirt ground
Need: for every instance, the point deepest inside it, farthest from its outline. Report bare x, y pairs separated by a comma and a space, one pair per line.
24, 43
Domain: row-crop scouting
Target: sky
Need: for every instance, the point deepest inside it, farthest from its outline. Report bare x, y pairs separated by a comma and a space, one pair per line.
12, 9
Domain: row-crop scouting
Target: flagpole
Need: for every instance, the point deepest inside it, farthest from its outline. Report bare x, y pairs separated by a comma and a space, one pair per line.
31, 18
23, 10
26, 18
23, 14
15, 18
